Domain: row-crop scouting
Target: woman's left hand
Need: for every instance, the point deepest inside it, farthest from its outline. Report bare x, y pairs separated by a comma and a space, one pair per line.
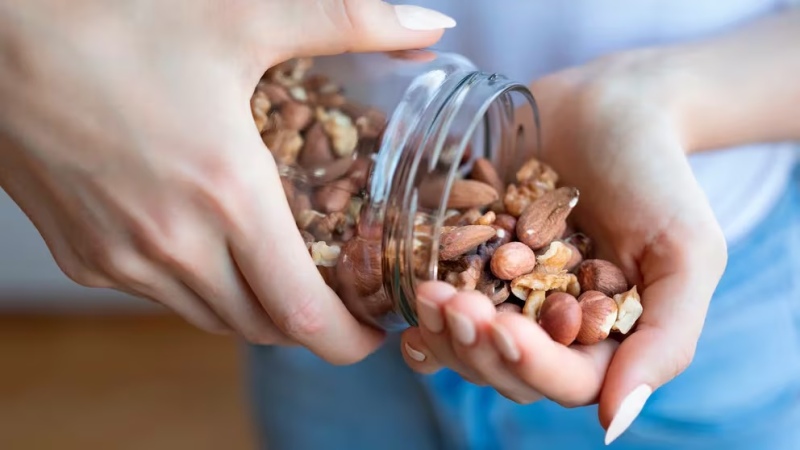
610, 132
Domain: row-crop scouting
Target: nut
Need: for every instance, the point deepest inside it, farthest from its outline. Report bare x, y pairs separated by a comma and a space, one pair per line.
545, 218
512, 260
537, 175
259, 106
560, 316
575, 258
324, 255
296, 115
276, 94
522, 286
554, 259
457, 241
483, 170
464, 194
582, 242
603, 276
506, 222
573, 286
359, 266
599, 315
496, 290
340, 128
335, 196
629, 310
317, 148
285, 145
533, 304
516, 199
486, 219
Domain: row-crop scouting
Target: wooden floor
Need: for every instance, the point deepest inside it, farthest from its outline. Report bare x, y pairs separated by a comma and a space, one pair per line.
119, 383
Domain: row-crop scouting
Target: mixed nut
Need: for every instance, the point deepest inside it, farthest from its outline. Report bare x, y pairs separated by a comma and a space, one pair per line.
511, 242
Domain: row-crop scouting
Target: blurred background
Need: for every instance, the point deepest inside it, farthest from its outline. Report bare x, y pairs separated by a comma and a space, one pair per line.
94, 369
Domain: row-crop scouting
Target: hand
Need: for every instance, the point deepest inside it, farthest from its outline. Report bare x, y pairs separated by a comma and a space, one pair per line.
609, 131
126, 137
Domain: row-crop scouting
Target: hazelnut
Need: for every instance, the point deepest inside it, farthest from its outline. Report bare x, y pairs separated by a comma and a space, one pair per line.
512, 260
630, 309
599, 315
334, 197
603, 276
561, 317
360, 266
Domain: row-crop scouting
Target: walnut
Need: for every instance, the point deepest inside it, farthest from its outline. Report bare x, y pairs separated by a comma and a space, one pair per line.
340, 128
284, 144
537, 175
259, 107
522, 286
325, 255
554, 258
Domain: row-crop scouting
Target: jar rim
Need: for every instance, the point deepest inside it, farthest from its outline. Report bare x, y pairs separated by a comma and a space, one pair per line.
467, 95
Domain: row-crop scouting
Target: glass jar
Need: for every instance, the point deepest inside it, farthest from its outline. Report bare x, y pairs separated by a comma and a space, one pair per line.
377, 150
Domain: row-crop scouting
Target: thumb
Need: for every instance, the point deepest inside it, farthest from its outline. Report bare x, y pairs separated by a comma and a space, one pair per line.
322, 27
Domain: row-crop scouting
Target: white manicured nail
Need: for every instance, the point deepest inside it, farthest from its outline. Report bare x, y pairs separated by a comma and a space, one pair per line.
627, 412
418, 18
414, 354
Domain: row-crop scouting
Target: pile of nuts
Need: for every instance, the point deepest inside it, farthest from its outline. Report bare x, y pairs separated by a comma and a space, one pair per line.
510, 242
514, 244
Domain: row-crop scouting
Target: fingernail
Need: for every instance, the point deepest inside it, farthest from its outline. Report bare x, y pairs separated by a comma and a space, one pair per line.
462, 328
414, 354
418, 18
505, 343
627, 412
430, 316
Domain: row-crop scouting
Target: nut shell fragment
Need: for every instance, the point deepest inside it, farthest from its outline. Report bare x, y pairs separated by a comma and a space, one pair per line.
629, 310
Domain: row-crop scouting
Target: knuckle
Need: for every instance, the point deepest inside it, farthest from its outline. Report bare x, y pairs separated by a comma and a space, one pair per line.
225, 190
304, 320
343, 15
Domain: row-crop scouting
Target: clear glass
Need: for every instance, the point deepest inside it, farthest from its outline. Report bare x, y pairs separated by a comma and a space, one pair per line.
369, 147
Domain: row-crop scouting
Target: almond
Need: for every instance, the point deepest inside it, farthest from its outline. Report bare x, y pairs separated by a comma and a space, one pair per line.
512, 260
483, 170
599, 315
561, 317
464, 194
459, 240
603, 276
544, 219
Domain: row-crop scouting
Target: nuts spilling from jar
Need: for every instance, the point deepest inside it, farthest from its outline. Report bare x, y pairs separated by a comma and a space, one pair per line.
534, 263
511, 242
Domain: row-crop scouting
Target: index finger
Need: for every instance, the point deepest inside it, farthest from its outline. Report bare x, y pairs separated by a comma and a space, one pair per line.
275, 261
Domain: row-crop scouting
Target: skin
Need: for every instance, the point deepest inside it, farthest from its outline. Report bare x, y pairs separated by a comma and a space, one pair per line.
127, 139
638, 114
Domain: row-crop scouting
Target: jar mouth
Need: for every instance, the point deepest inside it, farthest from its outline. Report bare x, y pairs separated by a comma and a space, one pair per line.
449, 121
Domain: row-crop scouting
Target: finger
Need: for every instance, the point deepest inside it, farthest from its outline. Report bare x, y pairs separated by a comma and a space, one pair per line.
309, 28
435, 328
204, 264
570, 376
274, 260
481, 356
678, 286
416, 354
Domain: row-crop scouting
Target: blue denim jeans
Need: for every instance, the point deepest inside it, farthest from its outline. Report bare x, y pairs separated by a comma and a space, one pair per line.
742, 390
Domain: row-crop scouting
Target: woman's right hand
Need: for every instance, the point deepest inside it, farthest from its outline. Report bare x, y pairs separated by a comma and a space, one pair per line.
126, 137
